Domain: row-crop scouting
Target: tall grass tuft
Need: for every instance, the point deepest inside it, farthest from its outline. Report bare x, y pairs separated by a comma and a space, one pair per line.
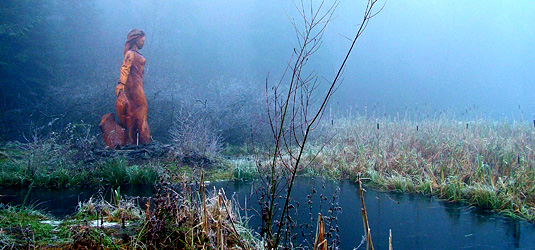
181, 218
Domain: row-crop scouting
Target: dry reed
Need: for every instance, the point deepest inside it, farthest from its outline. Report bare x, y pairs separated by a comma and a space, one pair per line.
487, 164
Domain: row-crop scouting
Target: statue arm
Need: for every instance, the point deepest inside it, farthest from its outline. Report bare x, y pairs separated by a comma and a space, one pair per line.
125, 71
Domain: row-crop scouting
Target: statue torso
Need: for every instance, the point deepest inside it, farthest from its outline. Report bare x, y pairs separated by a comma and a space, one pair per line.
137, 68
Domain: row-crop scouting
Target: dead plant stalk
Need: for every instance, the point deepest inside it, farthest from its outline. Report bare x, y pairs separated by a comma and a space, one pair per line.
367, 230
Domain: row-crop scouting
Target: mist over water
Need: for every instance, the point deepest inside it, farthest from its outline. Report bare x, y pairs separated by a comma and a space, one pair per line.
449, 55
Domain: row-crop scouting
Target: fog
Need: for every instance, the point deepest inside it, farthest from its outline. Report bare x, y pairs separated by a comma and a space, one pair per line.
438, 55
428, 57
449, 56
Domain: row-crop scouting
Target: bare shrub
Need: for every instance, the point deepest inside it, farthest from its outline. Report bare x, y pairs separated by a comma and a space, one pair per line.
238, 109
234, 106
194, 136
294, 109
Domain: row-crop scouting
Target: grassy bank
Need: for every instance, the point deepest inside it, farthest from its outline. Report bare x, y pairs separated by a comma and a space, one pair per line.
50, 164
175, 218
487, 164
57, 166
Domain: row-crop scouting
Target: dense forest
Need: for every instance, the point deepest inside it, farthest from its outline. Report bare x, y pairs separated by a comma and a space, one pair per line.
45, 63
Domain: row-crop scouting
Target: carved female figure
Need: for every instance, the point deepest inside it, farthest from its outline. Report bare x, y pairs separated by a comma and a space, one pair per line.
131, 103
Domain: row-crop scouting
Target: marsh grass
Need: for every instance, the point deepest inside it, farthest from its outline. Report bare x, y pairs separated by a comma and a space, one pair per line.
119, 209
243, 168
24, 227
21, 228
487, 164
118, 171
39, 160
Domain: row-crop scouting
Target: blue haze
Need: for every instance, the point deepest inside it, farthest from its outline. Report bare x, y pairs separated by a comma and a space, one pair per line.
423, 56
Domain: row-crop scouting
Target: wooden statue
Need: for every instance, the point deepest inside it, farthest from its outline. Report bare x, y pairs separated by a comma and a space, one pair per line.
114, 134
131, 103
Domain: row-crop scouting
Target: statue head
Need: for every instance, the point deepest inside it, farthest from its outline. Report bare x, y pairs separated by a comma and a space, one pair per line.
133, 38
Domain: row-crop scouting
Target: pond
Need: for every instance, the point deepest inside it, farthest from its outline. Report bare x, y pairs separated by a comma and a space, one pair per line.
416, 221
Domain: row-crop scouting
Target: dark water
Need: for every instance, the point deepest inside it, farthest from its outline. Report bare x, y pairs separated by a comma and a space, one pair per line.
416, 221
63, 202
